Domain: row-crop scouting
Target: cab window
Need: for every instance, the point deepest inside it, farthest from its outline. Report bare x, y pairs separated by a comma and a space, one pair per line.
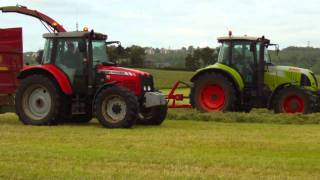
243, 60
69, 58
224, 53
46, 58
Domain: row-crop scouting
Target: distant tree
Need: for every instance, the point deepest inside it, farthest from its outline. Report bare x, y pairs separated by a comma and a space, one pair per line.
192, 63
208, 56
197, 53
201, 57
136, 54
113, 54
157, 51
190, 49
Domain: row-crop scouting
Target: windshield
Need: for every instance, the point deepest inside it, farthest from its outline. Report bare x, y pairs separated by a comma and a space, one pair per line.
99, 52
224, 53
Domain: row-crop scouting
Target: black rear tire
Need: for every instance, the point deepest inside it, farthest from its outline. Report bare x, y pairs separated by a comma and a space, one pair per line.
116, 107
153, 116
38, 101
222, 97
293, 99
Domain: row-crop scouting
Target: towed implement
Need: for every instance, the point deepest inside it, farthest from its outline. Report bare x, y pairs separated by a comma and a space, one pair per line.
75, 80
244, 78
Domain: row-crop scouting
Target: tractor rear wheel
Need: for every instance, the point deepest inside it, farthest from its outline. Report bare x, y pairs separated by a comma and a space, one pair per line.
37, 101
116, 107
293, 100
153, 116
213, 92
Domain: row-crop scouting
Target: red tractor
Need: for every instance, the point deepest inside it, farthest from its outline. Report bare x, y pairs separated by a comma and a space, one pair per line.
76, 81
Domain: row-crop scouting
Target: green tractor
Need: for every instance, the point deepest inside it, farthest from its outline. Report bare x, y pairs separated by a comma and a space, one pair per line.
245, 78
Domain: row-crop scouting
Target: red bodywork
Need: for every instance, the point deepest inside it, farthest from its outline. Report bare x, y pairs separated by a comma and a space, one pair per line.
132, 82
11, 59
58, 75
131, 79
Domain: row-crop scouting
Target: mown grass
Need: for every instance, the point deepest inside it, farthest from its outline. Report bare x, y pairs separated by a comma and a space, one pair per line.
255, 116
189, 145
176, 150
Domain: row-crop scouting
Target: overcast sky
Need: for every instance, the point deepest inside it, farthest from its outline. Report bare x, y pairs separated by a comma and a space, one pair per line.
175, 23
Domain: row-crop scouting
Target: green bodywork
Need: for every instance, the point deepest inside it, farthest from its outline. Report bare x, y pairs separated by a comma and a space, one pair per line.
274, 77
218, 66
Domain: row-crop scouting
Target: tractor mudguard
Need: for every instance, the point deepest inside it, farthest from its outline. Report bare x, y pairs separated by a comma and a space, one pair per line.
225, 70
106, 85
274, 93
49, 70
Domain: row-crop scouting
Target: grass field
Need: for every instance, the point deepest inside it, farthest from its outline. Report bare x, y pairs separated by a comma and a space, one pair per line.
189, 145
164, 79
176, 150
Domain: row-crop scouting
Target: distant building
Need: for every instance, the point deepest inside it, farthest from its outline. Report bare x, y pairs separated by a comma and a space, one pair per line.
149, 51
164, 51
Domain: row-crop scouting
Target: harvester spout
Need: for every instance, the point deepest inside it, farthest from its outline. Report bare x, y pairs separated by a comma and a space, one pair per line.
51, 23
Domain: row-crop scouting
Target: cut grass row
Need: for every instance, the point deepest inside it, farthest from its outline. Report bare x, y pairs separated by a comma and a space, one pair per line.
255, 116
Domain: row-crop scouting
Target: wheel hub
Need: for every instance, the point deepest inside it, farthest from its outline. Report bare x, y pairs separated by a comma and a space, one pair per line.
212, 97
37, 102
293, 104
114, 109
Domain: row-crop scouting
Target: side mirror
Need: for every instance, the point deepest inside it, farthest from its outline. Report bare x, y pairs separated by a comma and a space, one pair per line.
82, 46
39, 56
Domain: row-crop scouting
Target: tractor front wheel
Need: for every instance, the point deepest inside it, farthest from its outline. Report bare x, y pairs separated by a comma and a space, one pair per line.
116, 107
213, 92
293, 100
153, 116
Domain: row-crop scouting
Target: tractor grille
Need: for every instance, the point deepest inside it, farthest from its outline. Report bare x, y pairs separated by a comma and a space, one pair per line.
147, 83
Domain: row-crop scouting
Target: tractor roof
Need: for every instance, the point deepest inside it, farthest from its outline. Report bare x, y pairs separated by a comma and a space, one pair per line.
74, 34
240, 38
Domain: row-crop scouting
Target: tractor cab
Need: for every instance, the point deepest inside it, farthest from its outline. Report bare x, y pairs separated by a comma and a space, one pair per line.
76, 54
247, 55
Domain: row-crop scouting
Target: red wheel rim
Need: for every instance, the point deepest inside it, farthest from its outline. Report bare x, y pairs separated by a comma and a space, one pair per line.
293, 104
212, 97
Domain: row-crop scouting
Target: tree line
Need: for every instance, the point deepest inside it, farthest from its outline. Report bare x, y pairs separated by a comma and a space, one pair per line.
192, 58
